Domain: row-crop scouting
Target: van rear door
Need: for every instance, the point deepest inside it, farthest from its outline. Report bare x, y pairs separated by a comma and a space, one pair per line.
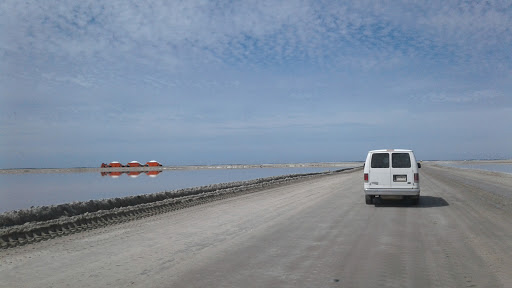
379, 170
402, 175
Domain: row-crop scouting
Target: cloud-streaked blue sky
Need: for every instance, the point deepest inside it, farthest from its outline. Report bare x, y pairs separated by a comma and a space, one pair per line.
208, 82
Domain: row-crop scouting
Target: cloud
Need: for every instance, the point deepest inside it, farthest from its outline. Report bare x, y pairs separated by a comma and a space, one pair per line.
471, 97
78, 80
259, 33
111, 69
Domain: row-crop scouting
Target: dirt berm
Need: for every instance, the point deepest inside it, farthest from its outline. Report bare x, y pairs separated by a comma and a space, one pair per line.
21, 227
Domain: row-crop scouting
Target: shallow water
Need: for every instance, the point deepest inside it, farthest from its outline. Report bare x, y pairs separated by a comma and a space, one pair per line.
504, 168
21, 191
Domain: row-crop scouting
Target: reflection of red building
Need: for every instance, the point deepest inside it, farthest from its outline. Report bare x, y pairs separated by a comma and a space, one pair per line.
134, 164
153, 173
115, 164
134, 174
153, 163
115, 174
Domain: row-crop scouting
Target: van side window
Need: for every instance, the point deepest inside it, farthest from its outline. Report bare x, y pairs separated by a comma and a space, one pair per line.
400, 160
380, 160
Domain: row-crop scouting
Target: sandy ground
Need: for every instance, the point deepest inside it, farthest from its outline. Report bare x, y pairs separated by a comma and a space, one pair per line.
317, 233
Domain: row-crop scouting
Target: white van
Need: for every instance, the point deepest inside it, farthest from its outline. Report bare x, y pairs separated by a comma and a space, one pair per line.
391, 173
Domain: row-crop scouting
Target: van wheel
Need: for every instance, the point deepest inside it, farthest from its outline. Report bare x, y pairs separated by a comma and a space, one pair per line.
369, 199
415, 200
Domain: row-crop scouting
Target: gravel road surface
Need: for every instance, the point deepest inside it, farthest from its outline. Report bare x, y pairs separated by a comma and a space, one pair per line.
315, 233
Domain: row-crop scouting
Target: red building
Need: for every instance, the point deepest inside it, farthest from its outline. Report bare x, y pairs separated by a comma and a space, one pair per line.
115, 164
153, 163
134, 164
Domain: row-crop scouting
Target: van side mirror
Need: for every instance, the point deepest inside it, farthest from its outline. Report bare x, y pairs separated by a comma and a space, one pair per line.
419, 165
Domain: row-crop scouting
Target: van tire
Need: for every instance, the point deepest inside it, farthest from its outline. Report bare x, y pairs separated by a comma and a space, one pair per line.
415, 200
368, 199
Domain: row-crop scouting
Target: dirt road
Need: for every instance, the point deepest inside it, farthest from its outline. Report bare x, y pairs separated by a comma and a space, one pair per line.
317, 233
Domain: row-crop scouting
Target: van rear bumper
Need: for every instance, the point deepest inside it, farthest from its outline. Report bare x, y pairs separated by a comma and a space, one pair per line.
391, 191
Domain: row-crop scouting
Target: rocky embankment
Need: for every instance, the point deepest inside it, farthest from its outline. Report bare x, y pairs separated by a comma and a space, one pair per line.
21, 227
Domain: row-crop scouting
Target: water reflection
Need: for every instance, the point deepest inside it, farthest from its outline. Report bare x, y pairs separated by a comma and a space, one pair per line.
134, 174
153, 174
21, 191
495, 167
131, 174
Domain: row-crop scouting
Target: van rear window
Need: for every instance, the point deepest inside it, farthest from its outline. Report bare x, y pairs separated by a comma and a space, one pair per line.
380, 160
401, 160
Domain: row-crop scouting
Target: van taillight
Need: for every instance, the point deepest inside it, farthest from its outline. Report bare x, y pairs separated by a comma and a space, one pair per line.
416, 177
365, 177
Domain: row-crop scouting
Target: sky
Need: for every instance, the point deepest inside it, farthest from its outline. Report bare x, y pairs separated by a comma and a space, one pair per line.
248, 82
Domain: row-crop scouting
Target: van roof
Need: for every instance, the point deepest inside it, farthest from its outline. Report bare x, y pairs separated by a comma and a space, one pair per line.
391, 150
